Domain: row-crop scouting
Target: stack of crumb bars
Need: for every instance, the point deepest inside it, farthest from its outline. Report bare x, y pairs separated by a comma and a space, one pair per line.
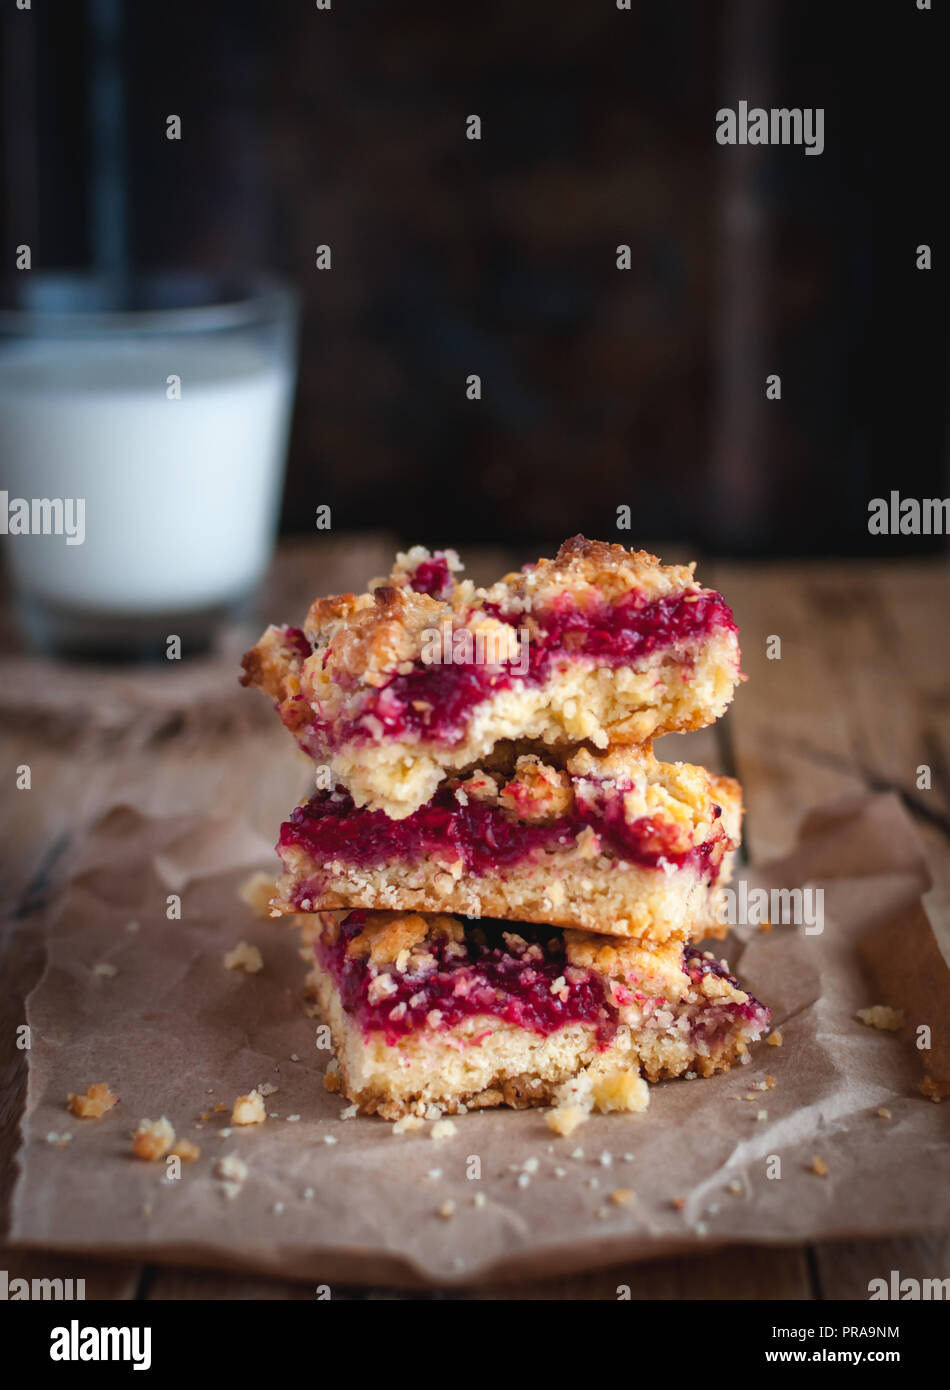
498, 884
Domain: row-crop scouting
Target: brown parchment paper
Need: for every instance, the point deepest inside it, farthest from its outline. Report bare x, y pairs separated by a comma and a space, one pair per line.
174, 1033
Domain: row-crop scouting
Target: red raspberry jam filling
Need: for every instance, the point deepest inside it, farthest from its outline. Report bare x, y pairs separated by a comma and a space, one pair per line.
714, 1019
433, 577
485, 837
502, 969
436, 701
517, 973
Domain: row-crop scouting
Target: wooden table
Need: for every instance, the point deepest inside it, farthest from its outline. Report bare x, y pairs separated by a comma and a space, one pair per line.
858, 699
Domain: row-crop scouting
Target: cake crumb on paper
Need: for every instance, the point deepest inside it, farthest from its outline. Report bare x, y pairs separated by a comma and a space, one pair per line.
819, 1166
443, 1129
91, 1106
232, 1171
153, 1139
934, 1090
774, 1039
249, 1109
882, 1016
106, 970
186, 1151
244, 957
408, 1123
564, 1119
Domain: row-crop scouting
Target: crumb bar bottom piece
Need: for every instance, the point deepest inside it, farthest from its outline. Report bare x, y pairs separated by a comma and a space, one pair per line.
433, 1012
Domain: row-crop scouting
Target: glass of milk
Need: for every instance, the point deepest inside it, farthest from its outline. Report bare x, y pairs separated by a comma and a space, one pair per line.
143, 431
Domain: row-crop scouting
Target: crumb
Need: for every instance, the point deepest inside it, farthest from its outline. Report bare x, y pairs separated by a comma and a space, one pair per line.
292, 1119
774, 1039
447, 1209
560, 1172
606, 1159
735, 1186
479, 1200
330, 1139
350, 1113
701, 1228
622, 1196
244, 957
278, 1208
233, 1172
107, 971
882, 1016
819, 1166
770, 1082
97, 1100
308, 1194
933, 1089
408, 1122
524, 1179
623, 1090
153, 1139
257, 892
761, 1115
267, 1088
577, 1153
220, 1109
186, 1151
442, 1129
294, 1057
593, 1183
678, 1203
58, 1140
225, 1133
884, 1113
249, 1110
565, 1119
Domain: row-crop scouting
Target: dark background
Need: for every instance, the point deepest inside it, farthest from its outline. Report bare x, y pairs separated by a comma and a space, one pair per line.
600, 387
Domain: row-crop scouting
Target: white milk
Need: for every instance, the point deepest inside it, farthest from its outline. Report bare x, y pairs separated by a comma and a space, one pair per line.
180, 495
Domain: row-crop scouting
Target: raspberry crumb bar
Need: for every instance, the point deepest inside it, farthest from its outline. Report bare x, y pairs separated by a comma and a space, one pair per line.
425, 674
434, 1011
617, 843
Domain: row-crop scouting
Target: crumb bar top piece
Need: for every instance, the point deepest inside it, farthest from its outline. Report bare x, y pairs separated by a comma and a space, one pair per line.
425, 673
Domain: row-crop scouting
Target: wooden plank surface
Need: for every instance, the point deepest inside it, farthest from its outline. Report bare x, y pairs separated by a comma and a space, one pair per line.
859, 699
